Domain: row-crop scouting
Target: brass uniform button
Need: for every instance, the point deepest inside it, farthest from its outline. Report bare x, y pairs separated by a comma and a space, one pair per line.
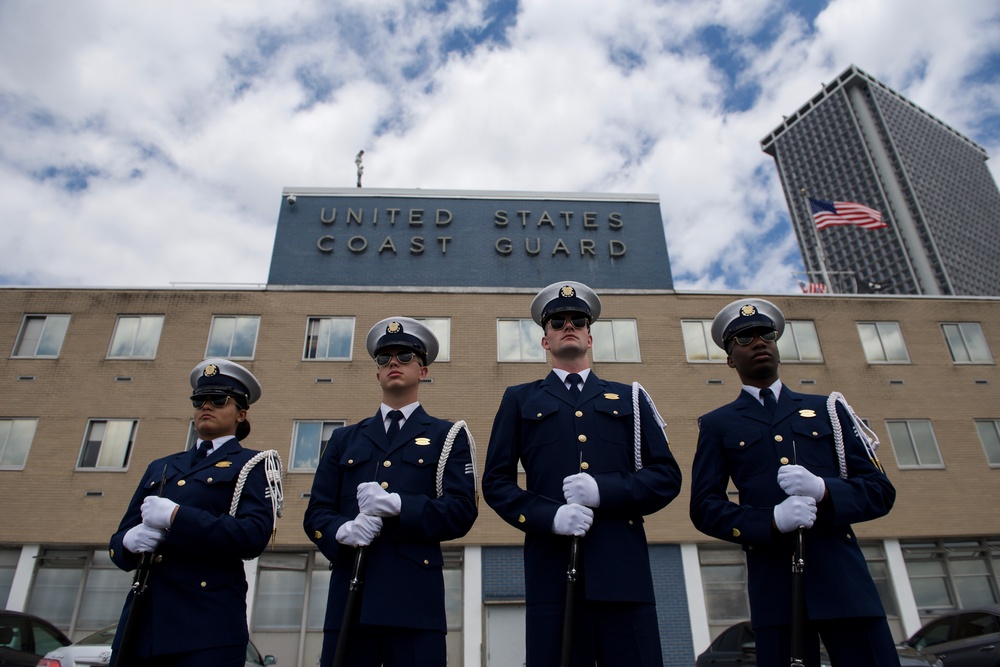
420, 461
631, 522
736, 532
159, 558
539, 414
582, 438
350, 462
520, 518
112, 552
784, 460
385, 485
742, 444
181, 482
578, 413
426, 562
204, 584
815, 433
614, 412
318, 535
584, 466
209, 480
778, 438
386, 464
848, 536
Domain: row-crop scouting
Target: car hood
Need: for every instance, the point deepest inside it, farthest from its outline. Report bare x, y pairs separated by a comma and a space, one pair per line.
80, 656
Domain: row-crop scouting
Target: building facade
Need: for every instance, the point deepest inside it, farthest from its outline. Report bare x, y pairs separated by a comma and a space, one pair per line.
859, 141
95, 385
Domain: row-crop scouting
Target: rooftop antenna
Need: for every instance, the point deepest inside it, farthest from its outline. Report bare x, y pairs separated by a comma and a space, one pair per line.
361, 169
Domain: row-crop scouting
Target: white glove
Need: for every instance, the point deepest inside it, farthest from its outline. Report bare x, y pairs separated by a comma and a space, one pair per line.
158, 512
582, 489
573, 519
376, 501
797, 481
140, 539
795, 512
360, 532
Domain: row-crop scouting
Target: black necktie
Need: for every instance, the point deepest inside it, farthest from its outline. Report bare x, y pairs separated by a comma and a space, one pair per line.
393, 430
767, 396
574, 381
203, 449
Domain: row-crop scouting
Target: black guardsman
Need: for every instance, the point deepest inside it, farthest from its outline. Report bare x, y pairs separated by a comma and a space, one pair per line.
588, 478
202, 512
396, 484
780, 449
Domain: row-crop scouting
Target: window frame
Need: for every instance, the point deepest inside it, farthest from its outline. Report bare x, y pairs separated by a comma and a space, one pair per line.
713, 353
878, 325
522, 342
229, 354
616, 334
318, 318
5, 441
961, 329
46, 317
142, 319
292, 467
442, 333
992, 461
795, 331
85, 445
939, 465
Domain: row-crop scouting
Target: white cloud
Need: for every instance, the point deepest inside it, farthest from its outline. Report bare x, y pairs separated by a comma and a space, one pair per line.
186, 120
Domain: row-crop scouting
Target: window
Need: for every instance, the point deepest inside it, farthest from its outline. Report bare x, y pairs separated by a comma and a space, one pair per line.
615, 340
41, 336
309, 440
878, 568
136, 337
329, 338
233, 337
8, 566
107, 444
519, 340
441, 328
724, 580
698, 343
281, 591
989, 435
946, 575
57, 585
799, 342
15, 441
967, 343
883, 343
914, 443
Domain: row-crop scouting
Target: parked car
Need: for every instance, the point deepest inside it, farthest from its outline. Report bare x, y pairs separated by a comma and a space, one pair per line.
965, 638
95, 650
737, 646
25, 638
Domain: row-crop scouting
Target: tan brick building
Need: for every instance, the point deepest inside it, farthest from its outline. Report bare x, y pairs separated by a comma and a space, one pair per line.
94, 385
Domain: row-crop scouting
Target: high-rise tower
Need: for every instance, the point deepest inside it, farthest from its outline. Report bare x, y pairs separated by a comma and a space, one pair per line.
859, 141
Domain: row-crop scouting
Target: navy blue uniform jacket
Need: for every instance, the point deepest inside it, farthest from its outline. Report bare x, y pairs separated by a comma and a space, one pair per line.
404, 581
539, 425
741, 441
197, 596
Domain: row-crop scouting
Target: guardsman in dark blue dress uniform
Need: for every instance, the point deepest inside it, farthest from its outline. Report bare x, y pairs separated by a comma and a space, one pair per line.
195, 612
397, 484
784, 462
585, 477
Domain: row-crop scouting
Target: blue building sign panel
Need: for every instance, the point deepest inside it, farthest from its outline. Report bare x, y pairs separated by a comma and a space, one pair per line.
423, 238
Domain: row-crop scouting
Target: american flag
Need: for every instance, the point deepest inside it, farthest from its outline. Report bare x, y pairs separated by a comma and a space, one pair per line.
831, 213
813, 288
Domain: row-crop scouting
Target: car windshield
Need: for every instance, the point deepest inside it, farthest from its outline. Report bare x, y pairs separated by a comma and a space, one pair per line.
101, 637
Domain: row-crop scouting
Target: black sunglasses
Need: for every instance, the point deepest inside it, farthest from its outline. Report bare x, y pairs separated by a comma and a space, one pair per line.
217, 401
402, 357
746, 339
558, 322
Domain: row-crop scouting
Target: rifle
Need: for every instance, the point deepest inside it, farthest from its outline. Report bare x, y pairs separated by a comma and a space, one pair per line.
566, 652
140, 585
798, 593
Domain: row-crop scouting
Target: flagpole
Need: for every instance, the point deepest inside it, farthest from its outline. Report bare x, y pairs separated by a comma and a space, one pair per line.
819, 244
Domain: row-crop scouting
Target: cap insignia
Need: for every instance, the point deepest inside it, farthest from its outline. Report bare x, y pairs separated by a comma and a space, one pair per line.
748, 310
211, 371
394, 328
567, 291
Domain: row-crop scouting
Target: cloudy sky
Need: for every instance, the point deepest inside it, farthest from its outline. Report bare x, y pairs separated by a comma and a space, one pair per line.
147, 143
